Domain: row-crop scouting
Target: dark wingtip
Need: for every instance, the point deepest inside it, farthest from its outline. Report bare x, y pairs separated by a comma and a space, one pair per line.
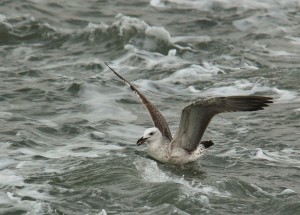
251, 103
207, 144
262, 101
106, 63
266, 100
117, 74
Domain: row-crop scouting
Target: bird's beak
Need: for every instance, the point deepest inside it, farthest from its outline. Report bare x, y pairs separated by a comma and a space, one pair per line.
141, 141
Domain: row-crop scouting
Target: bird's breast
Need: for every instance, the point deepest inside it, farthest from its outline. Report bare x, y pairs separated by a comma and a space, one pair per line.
159, 151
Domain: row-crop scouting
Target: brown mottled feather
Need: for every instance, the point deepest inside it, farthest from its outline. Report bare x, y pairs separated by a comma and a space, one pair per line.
196, 116
157, 118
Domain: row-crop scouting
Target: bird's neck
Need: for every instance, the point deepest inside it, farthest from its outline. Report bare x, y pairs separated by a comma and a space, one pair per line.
159, 142
159, 149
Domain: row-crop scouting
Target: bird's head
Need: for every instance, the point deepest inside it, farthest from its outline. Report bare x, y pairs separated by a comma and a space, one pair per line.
150, 135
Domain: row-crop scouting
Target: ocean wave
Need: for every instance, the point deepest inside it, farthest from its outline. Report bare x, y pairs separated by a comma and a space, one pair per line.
126, 30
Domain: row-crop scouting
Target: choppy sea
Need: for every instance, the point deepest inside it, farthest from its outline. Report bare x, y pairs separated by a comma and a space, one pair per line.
69, 126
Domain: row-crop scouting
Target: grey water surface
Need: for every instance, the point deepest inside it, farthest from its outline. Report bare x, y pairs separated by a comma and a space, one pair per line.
69, 126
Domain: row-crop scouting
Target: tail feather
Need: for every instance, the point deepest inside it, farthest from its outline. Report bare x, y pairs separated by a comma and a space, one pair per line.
207, 144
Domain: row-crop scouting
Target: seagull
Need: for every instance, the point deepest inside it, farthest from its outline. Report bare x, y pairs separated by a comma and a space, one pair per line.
186, 145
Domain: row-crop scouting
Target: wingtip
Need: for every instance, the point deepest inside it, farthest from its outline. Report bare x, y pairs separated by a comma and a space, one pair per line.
251, 103
267, 99
157, 117
106, 63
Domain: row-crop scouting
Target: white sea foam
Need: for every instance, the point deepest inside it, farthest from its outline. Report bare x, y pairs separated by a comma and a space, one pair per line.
242, 130
190, 39
150, 172
22, 53
285, 192
66, 151
245, 87
9, 177
172, 52
32, 207
32, 190
2, 18
238, 87
12, 197
260, 154
204, 200
244, 24
226, 4
5, 23
126, 24
275, 53
157, 3
284, 157
230, 87
5, 115
286, 96
204, 5
192, 89
6, 161
4, 146
294, 40
98, 135
147, 85
96, 149
259, 189
170, 61
48, 123
5, 198
101, 106
159, 33
38, 208
151, 59
92, 27
192, 74
102, 212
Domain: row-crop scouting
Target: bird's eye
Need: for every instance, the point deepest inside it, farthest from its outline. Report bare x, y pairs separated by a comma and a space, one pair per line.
151, 133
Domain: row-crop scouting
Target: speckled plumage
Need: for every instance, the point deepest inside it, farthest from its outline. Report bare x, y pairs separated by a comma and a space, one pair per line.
186, 146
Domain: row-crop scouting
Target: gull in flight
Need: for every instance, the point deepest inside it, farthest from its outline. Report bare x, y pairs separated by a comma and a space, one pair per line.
186, 146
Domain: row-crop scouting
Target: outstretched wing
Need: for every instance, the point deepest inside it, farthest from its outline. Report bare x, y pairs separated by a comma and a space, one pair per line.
157, 118
196, 116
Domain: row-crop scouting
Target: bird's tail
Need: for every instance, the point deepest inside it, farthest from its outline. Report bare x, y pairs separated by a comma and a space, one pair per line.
207, 144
